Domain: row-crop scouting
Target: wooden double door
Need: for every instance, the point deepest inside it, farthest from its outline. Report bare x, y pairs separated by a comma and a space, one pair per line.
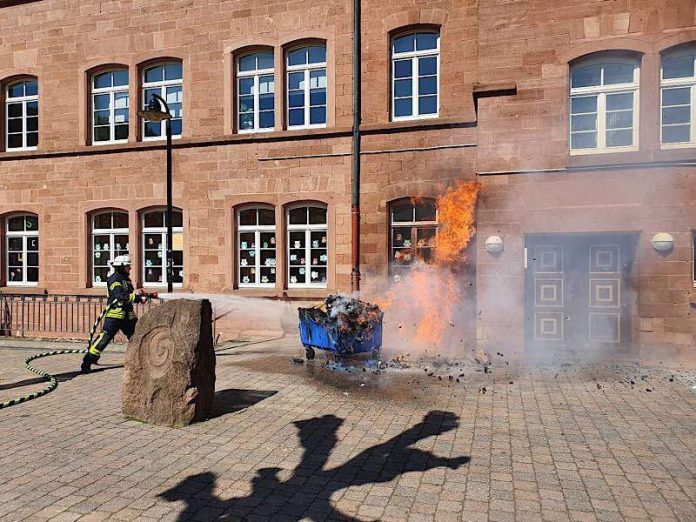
577, 291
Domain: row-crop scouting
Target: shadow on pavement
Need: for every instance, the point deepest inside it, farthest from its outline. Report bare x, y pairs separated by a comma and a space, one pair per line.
307, 493
60, 377
229, 401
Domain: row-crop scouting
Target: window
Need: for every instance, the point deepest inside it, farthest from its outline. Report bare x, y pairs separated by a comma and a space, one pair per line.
110, 106
109, 239
22, 120
23, 250
678, 98
415, 70
155, 248
165, 80
256, 92
256, 259
413, 233
604, 106
306, 68
308, 253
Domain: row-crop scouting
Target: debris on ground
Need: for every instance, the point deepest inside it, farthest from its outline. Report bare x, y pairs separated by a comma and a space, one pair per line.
298, 360
346, 314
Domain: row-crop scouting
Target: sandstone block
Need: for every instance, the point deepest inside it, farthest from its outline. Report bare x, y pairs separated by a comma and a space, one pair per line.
169, 376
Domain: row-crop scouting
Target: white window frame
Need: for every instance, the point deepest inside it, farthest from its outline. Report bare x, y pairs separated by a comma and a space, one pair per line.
23, 100
412, 225
415, 57
111, 91
256, 74
307, 229
257, 230
307, 68
163, 233
162, 86
25, 235
690, 82
601, 91
112, 233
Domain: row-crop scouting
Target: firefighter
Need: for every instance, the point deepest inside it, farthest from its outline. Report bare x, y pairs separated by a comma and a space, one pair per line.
120, 314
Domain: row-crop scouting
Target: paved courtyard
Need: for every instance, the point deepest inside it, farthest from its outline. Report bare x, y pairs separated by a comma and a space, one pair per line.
292, 441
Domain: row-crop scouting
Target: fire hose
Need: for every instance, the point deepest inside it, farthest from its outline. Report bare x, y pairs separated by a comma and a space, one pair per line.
52, 382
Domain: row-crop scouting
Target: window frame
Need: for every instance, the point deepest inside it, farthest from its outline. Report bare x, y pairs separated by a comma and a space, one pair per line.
257, 230
307, 68
307, 228
111, 91
112, 233
162, 231
25, 235
23, 101
414, 56
162, 86
601, 91
675, 83
414, 225
256, 74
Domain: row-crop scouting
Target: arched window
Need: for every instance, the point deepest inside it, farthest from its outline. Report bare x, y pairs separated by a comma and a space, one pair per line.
604, 104
22, 250
256, 247
308, 254
413, 233
155, 248
22, 115
109, 239
306, 70
255, 92
678, 86
165, 80
110, 102
415, 70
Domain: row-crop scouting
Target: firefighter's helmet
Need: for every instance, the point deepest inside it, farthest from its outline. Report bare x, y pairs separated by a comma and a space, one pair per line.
118, 261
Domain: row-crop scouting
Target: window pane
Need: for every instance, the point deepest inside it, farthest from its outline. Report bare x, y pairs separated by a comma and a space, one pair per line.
403, 107
317, 97
680, 114
317, 54
619, 101
265, 60
32, 124
121, 100
16, 275
266, 84
403, 69
317, 79
31, 88
102, 134
33, 244
14, 141
427, 104
266, 102
583, 122
298, 56
676, 134
619, 120
402, 213
103, 221
246, 86
102, 117
15, 125
266, 216
678, 67
154, 219
121, 132
174, 95
427, 85
676, 96
14, 244
176, 127
296, 80
619, 138
121, 77
426, 41
402, 88
32, 223
585, 76
32, 259
296, 117
14, 110
317, 216
246, 121
583, 104
172, 71
247, 217
102, 80
405, 43
266, 120
427, 66
584, 140
121, 116
15, 224
247, 63
177, 219
298, 216
618, 73
32, 139
296, 99
246, 103
32, 108
152, 129
154, 74
120, 220
317, 115
102, 101
16, 90
426, 210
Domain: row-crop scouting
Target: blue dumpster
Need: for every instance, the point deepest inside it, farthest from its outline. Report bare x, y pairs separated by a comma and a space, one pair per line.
328, 337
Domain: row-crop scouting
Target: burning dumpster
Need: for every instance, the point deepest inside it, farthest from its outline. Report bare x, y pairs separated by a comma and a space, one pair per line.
342, 326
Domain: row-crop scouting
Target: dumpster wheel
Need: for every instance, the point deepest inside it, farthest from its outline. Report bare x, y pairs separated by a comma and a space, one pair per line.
310, 353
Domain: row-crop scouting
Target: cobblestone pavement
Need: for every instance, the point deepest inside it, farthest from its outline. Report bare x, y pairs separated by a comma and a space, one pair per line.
298, 442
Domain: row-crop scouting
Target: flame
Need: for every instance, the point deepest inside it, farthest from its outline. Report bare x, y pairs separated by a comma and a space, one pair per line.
426, 300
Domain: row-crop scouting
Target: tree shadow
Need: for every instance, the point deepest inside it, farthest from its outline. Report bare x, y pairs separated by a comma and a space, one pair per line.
307, 493
232, 400
60, 377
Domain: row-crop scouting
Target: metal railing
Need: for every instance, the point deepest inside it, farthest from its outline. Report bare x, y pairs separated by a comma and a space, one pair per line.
66, 315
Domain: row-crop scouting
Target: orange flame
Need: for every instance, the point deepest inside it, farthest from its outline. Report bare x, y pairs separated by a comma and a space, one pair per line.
426, 301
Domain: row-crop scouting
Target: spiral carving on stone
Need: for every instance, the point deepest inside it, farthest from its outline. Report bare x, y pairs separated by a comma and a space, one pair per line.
158, 348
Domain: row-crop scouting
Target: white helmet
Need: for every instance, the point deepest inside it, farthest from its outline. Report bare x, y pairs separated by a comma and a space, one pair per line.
121, 261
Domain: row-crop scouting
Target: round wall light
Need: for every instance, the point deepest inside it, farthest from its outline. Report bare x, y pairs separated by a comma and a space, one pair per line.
494, 244
662, 242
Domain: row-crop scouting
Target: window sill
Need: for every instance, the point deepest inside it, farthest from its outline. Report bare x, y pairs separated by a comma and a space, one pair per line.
25, 290
417, 124
274, 293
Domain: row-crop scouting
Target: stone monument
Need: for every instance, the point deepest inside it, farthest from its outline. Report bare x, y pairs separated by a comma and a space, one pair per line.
169, 376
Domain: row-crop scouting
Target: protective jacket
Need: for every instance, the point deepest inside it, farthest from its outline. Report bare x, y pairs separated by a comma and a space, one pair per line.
121, 297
